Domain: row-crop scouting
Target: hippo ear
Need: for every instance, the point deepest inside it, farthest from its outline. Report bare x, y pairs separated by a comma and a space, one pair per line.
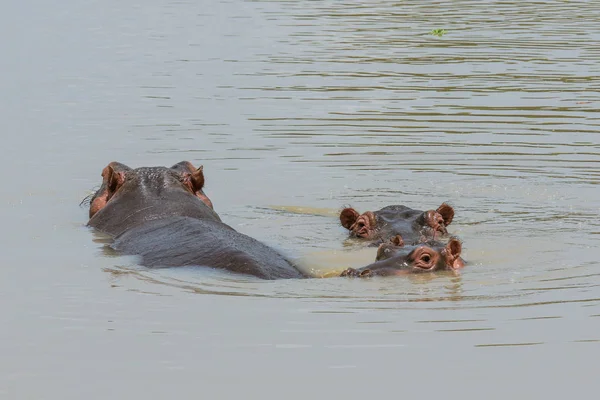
192, 178
397, 241
447, 213
197, 179
452, 252
113, 176
348, 217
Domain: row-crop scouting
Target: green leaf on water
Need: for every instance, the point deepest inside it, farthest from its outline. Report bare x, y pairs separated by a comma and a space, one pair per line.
438, 32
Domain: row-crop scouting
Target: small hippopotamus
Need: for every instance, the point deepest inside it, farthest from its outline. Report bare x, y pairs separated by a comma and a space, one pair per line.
394, 258
163, 215
413, 226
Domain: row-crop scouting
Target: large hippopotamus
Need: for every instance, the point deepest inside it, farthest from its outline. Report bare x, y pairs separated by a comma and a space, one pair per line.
414, 226
163, 215
395, 258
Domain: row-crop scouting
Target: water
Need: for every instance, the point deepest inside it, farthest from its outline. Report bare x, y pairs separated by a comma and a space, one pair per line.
296, 109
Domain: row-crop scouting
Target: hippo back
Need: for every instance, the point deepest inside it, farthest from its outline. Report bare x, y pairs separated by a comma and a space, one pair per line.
185, 241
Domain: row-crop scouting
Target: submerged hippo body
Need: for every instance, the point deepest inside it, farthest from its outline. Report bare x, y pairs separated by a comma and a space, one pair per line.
395, 258
414, 226
162, 215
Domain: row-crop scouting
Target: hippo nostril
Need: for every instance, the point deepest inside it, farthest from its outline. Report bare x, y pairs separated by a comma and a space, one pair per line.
366, 273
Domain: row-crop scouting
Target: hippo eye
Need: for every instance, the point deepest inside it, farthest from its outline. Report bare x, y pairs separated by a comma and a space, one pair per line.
426, 258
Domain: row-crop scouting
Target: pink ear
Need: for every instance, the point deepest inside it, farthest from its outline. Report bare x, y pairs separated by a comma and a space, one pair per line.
197, 179
453, 250
194, 179
114, 176
348, 217
397, 240
447, 213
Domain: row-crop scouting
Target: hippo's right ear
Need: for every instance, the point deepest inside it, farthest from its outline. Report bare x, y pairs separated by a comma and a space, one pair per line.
197, 178
194, 180
397, 241
452, 252
348, 217
447, 213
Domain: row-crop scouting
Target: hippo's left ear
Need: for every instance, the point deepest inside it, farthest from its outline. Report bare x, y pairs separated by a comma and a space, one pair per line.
452, 254
447, 213
113, 177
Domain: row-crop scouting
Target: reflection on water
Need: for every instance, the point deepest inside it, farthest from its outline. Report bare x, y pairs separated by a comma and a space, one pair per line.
296, 109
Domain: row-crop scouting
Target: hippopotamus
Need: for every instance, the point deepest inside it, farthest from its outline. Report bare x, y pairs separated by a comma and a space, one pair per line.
163, 215
394, 258
413, 226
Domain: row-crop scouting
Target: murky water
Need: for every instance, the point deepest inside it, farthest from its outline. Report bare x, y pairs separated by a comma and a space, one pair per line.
296, 108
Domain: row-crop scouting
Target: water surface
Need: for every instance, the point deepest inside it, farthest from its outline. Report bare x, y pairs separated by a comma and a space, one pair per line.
295, 109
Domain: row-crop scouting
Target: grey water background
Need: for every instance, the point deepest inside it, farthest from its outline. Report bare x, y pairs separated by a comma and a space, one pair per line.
295, 107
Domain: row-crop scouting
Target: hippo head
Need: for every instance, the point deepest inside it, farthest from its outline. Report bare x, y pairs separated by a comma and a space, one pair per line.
118, 180
413, 226
393, 258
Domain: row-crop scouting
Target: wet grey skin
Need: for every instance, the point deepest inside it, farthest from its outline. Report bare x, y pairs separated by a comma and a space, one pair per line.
163, 216
393, 259
415, 226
